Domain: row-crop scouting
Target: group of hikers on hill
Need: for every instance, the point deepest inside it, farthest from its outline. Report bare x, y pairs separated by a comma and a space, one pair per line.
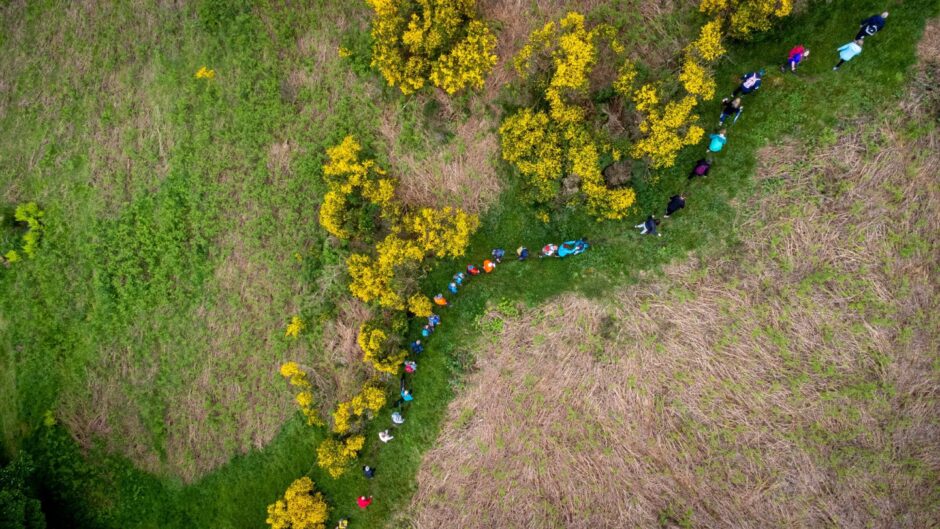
731, 108
416, 347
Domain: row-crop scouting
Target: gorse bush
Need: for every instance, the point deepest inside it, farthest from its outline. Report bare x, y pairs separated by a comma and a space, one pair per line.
298, 379
302, 507
438, 41
668, 125
294, 328
380, 346
357, 189
386, 274
335, 455
369, 400
744, 18
545, 145
441, 232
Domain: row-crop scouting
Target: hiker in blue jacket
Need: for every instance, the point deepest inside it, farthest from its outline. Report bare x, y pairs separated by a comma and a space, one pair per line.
871, 25
848, 51
750, 82
716, 142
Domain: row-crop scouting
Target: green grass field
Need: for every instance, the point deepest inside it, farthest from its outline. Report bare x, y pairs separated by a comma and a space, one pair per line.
151, 320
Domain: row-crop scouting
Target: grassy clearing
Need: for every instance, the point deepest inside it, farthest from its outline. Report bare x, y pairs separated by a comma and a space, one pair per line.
788, 382
182, 234
200, 220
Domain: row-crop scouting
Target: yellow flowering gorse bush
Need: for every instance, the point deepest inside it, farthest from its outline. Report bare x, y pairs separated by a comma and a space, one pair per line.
667, 130
335, 455
304, 397
295, 327
420, 305
302, 507
441, 41
371, 399
746, 17
379, 349
205, 73
543, 146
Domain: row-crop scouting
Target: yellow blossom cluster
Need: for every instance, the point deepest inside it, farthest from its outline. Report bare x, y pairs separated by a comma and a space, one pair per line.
302, 507
370, 399
468, 62
304, 397
623, 85
745, 18
544, 146
441, 41
205, 73
670, 125
353, 183
531, 142
379, 349
420, 305
441, 232
709, 45
384, 275
696, 79
666, 130
335, 455
295, 327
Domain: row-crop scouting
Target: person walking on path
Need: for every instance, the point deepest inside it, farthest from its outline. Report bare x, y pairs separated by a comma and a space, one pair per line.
797, 54
871, 25
397, 418
452, 287
410, 366
385, 437
701, 169
716, 142
434, 320
498, 254
548, 250
676, 202
364, 502
459, 277
473, 270
416, 347
489, 266
730, 107
368, 472
440, 300
649, 226
750, 82
848, 52
406, 396
522, 252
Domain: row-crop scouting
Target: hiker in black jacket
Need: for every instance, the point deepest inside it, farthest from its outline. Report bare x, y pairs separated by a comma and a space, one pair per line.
676, 202
871, 25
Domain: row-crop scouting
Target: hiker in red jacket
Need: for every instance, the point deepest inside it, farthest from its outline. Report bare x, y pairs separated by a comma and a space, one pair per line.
797, 54
364, 502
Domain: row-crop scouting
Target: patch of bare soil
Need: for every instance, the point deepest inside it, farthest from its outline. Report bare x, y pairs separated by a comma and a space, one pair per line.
789, 383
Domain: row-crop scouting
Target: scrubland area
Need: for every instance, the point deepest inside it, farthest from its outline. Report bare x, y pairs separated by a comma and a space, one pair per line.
772, 360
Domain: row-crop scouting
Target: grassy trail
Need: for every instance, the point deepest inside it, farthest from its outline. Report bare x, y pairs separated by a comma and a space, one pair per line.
111, 493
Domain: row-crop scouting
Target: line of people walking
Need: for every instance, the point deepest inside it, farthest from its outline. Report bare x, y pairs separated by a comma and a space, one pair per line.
732, 107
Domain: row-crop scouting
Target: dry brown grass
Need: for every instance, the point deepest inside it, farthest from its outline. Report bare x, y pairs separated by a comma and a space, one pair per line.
460, 172
790, 383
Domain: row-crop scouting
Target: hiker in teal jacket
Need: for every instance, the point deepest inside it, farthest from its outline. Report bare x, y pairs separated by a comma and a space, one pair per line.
848, 51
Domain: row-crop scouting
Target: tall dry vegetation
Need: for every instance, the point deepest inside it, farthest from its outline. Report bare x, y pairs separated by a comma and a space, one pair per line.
790, 383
